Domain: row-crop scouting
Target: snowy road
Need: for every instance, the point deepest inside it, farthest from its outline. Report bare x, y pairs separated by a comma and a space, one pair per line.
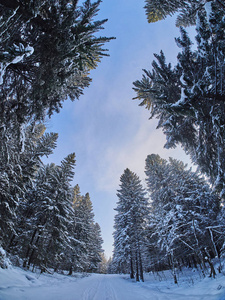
20, 285
94, 287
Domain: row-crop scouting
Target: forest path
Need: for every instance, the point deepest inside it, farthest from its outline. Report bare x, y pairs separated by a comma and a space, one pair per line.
93, 287
113, 287
27, 286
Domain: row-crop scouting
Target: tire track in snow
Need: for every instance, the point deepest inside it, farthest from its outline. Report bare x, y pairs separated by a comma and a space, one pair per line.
91, 291
101, 290
111, 294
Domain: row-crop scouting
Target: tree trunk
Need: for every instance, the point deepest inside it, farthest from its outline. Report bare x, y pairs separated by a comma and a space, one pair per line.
70, 271
32, 253
131, 268
10, 242
29, 248
141, 266
199, 251
30, 258
137, 268
173, 268
202, 262
194, 262
56, 267
212, 269
215, 250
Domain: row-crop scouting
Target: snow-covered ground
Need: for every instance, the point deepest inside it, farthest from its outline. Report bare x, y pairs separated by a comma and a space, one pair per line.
16, 284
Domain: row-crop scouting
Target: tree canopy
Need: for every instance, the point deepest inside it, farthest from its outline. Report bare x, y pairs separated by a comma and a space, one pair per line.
188, 98
186, 10
47, 50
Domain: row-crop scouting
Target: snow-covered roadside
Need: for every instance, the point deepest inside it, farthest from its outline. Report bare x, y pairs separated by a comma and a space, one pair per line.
189, 286
17, 277
17, 284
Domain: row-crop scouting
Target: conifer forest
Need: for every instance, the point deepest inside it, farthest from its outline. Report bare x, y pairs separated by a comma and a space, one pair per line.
47, 50
176, 217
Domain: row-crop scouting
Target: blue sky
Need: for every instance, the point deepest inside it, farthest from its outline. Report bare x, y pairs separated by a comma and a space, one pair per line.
106, 129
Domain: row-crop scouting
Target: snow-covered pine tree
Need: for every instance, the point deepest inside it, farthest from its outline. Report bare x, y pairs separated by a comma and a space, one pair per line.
104, 264
188, 98
130, 222
83, 217
72, 255
88, 241
60, 219
96, 248
35, 144
183, 207
34, 213
49, 216
20, 160
47, 50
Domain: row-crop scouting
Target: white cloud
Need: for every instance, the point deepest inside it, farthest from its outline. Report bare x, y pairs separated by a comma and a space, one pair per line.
132, 154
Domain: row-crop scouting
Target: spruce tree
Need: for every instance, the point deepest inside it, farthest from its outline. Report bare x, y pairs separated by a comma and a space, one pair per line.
47, 51
60, 218
187, 98
88, 241
183, 207
48, 214
130, 222
96, 248
20, 160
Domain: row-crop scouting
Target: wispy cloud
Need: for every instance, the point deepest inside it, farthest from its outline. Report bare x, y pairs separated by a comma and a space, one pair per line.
132, 154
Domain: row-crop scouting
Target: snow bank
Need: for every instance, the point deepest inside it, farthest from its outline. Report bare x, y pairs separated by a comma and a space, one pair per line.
4, 261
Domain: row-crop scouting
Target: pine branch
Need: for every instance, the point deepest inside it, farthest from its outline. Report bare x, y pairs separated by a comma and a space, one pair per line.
221, 4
